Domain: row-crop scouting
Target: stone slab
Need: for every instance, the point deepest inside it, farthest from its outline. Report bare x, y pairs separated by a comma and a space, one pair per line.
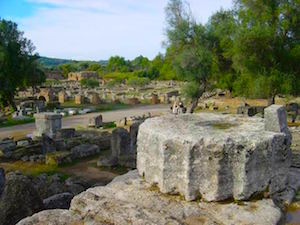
212, 156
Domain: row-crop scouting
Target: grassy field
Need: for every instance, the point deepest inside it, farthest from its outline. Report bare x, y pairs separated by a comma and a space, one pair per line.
13, 122
29, 168
99, 108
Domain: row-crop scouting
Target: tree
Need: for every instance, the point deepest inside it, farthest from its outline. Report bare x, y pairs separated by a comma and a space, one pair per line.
94, 67
267, 45
89, 83
189, 45
222, 27
117, 64
83, 66
35, 74
66, 69
140, 63
18, 67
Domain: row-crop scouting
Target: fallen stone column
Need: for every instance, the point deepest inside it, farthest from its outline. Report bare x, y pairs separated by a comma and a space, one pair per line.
212, 156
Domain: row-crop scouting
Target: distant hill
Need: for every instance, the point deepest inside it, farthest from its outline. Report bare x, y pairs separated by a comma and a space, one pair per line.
53, 62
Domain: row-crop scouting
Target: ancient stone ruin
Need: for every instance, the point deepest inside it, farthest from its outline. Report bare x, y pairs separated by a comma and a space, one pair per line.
215, 157
203, 157
47, 123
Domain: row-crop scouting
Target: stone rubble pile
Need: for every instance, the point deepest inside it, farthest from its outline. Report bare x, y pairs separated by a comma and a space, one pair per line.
186, 164
53, 145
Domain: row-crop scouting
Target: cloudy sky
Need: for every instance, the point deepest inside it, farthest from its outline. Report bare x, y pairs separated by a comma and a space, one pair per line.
97, 29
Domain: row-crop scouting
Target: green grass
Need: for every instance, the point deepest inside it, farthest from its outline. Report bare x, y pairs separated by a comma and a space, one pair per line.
30, 168
98, 108
109, 125
14, 122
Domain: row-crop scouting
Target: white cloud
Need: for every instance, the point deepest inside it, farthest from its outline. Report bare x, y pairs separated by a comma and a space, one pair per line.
98, 29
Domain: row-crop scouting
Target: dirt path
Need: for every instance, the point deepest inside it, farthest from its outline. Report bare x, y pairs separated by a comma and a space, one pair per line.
90, 173
82, 120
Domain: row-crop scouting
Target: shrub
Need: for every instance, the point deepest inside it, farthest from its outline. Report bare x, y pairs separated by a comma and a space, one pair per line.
89, 83
114, 82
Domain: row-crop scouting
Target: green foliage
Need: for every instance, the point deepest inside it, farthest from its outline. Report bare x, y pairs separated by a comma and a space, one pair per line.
138, 82
14, 122
119, 75
52, 62
114, 82
50, 82
89, 83
117, 64
252, 50
141, 63
266, 45
30, 168
192, 90
189, 48
67, 68
18, 67
109, 125
94, 67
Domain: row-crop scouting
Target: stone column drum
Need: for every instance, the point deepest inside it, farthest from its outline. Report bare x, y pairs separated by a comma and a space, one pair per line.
62, 97
47, 123
212, 156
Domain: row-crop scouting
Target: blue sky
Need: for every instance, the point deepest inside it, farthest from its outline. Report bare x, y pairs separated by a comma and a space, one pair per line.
98, 29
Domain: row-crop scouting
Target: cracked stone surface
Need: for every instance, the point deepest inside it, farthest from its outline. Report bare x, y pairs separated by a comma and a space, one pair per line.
213, 156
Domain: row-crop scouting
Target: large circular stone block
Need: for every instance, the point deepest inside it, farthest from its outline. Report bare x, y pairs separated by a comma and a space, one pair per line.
212, 156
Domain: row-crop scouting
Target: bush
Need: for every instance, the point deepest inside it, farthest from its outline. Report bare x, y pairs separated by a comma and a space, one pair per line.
114, 82
119, 75
89, 83
192, 90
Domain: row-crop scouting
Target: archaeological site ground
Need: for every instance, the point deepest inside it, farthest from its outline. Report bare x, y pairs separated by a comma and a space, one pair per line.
134, 112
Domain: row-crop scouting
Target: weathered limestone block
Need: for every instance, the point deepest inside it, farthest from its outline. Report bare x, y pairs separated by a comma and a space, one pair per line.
96, 121
79, 99
122, 122
154, 99
50, 217
134, 129
23, 142
250, 110
130, 200
276, 119
94, 99
120, 145
19, 199
65, 133
164, 99
84, 150
58, 201
213, 156
62, 97
48, 144
133, 101
7, 147
47, 123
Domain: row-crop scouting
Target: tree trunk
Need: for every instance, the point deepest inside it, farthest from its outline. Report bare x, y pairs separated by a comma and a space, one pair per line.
194, 105
271, 100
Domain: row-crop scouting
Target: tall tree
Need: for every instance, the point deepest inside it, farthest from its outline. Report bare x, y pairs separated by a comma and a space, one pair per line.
222, 27
267, 45
17, 62
189, 45
117, 64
